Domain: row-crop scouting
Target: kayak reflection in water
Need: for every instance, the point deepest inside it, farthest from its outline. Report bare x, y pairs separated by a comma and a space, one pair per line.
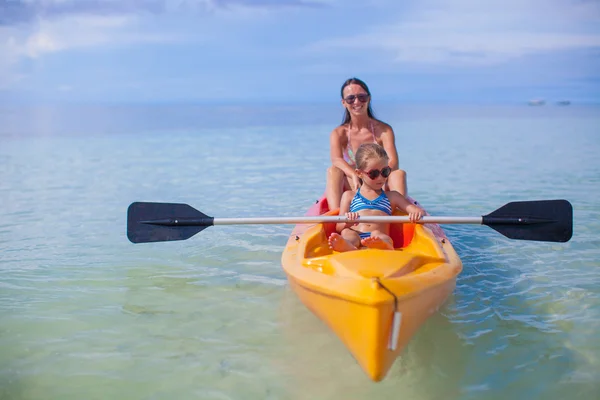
370, 199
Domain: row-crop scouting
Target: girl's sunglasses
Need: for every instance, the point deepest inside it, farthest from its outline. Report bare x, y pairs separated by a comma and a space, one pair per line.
374, 173
363, 98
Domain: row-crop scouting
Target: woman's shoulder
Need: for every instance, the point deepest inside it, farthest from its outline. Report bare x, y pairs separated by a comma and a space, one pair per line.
339, 131
381, 126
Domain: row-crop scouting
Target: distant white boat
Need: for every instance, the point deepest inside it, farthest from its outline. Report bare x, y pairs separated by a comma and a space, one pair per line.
537, 102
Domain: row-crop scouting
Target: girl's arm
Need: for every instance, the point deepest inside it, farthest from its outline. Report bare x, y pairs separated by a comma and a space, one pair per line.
344, 208
398, 201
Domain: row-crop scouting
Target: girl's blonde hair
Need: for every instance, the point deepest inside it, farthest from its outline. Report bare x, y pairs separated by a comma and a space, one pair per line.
369, 151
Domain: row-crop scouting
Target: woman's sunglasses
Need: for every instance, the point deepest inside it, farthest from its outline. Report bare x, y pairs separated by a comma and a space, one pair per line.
363, 98
374, 173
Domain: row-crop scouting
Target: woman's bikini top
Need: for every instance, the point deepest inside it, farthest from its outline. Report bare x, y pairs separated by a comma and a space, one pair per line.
349, 155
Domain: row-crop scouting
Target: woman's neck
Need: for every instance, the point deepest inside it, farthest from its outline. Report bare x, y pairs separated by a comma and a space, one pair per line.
359, 121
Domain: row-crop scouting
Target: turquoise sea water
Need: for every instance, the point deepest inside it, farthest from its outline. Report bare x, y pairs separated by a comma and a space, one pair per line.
86, 314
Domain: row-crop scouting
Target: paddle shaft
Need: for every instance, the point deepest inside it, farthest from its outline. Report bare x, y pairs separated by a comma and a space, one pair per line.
309, 220
342, 218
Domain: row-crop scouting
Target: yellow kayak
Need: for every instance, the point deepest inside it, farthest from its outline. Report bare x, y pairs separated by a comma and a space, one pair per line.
373, 300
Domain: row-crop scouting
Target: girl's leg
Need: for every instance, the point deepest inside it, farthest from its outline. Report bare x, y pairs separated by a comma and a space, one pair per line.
397, 181
378, 240
336, 183
347, 241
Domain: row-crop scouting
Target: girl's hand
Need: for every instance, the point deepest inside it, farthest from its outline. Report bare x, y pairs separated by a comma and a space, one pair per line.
352, 216
414, 213
354, 182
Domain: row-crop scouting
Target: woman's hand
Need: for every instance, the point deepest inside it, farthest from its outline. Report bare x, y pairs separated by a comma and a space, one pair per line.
415, 213
352, 216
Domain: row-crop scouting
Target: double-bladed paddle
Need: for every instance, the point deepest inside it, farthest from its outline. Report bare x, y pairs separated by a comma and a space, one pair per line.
540, 220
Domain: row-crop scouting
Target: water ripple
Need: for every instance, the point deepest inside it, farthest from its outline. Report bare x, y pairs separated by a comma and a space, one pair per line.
84, 311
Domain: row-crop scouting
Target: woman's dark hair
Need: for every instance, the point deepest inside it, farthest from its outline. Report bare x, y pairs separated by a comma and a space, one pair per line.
363, 85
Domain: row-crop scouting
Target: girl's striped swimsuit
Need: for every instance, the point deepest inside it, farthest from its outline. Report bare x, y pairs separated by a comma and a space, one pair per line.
381, 203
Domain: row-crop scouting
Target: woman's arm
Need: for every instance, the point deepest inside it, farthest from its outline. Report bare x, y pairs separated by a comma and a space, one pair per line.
388, 141
336, 152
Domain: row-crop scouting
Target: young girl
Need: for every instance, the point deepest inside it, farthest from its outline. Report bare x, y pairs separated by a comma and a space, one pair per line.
370, 199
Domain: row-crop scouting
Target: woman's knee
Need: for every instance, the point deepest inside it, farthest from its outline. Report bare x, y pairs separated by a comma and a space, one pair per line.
334, 172
335, 176
397, 181
400, 173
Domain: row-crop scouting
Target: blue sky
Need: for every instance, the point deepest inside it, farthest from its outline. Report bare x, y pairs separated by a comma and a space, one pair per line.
294, 51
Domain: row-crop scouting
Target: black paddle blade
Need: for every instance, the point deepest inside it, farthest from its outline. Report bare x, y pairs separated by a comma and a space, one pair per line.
161, 222
542, 220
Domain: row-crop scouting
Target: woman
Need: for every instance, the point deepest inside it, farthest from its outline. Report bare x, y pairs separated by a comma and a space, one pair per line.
359, 126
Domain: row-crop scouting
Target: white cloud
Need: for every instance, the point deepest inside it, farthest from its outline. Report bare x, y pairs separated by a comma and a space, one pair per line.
36, 28
470, 32
46, 36
421, 35
10, 49
32, 29
51, 36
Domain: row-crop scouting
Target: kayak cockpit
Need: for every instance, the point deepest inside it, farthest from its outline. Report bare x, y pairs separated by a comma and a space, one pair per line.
401, 234
370, 263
